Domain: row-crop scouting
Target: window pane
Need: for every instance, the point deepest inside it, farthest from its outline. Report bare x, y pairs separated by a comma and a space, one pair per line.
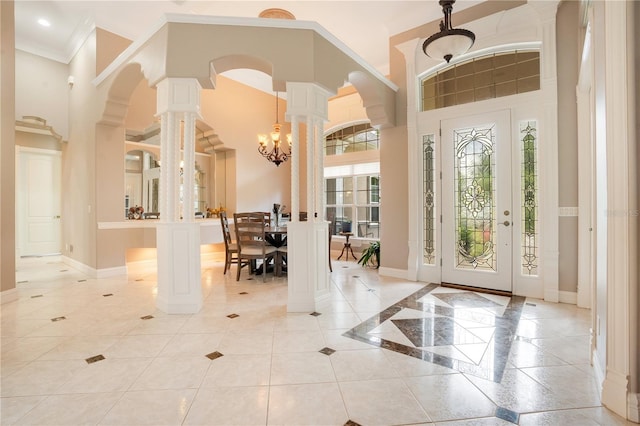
492, 76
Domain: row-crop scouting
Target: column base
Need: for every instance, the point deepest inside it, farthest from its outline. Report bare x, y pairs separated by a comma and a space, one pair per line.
179, 276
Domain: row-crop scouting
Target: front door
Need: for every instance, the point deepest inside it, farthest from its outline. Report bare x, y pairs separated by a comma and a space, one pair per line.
476, 201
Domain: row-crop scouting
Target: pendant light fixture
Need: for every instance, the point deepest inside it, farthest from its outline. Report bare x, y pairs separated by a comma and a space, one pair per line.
449, 42
277, 154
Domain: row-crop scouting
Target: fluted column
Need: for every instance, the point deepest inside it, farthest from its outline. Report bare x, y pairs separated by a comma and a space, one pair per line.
308, 270
295, 169
178, 240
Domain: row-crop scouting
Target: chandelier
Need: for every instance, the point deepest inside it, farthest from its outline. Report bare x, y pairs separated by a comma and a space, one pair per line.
449, 42
277, 154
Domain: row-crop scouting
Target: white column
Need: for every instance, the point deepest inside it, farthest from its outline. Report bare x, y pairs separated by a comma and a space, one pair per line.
178, 243
188, 176
310, 167
319, 172
620, 387
295, 169
549, 212
308, 272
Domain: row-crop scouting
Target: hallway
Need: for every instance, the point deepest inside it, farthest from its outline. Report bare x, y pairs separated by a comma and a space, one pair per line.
77, 350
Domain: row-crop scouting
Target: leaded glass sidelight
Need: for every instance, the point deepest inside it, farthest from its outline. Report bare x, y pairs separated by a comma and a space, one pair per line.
529, 168
474, 186
428, 191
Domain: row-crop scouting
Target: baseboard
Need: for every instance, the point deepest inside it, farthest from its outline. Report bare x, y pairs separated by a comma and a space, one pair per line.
79, 266
392, 272
551, 296
8, 296
597, 371
569, 297
614, 392
94, 273
111, 272
633, 407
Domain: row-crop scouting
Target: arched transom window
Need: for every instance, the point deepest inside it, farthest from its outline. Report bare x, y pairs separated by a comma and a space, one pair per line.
485, 77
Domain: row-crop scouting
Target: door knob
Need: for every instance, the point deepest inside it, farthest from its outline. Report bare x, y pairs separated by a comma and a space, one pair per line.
505, 223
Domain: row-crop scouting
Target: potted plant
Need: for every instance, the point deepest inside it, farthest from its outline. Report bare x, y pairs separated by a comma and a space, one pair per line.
371, 255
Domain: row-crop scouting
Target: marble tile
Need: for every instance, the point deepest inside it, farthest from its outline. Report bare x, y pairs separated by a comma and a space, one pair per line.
518, 392
246, 343
585, 416
110, 375
456, 397
80, 347
382, 402
73, 409
229, 406
238, 370
570, 385
29, 348
191, 345
41, 377
362, 365
138, 346
160, 325
407, 366
173, 373
297, 341
483, 421
301, 367
306, 404
151, 407
13, 408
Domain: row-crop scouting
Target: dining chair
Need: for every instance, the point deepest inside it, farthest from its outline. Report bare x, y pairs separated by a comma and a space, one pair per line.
252, 245
230, 248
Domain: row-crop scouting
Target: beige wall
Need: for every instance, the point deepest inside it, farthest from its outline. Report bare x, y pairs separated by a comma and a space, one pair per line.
568, 46
108, 46
7, 148
79, 161
42, 90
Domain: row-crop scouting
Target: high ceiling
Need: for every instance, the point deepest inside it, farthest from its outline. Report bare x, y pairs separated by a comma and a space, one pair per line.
364, 26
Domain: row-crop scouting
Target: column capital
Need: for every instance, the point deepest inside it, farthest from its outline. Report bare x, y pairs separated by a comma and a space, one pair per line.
307, 100
178, 95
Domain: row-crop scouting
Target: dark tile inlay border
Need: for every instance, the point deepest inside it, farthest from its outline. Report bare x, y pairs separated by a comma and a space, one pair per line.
530, 304
315, 314
107, 295
508, 415
58, 319
351, 423
214, 355
146, 317
81, 281
232, 316
327, 351
243, 292
64, 270
37, 295
22, 282
93, 359
140, 279
505, 332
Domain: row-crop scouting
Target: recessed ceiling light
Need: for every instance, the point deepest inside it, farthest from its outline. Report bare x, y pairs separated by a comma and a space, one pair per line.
44, 22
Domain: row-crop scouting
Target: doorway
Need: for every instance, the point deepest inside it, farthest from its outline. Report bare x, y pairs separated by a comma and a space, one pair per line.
38, 201
477, 235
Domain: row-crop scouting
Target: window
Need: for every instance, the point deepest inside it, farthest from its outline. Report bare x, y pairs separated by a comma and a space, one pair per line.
352, 189
357, 138
353, 202
486, 77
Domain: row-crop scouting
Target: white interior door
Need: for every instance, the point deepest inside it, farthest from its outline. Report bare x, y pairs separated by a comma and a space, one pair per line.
38, 213
476, 201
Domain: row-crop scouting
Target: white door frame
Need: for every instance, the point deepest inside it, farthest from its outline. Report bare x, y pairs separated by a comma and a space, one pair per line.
21, 201
526, 106
499, 278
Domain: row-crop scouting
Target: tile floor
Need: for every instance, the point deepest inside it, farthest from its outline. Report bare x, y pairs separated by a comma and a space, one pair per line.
77, 350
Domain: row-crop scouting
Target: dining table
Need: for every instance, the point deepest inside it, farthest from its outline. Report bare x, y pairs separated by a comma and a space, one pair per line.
277, 237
